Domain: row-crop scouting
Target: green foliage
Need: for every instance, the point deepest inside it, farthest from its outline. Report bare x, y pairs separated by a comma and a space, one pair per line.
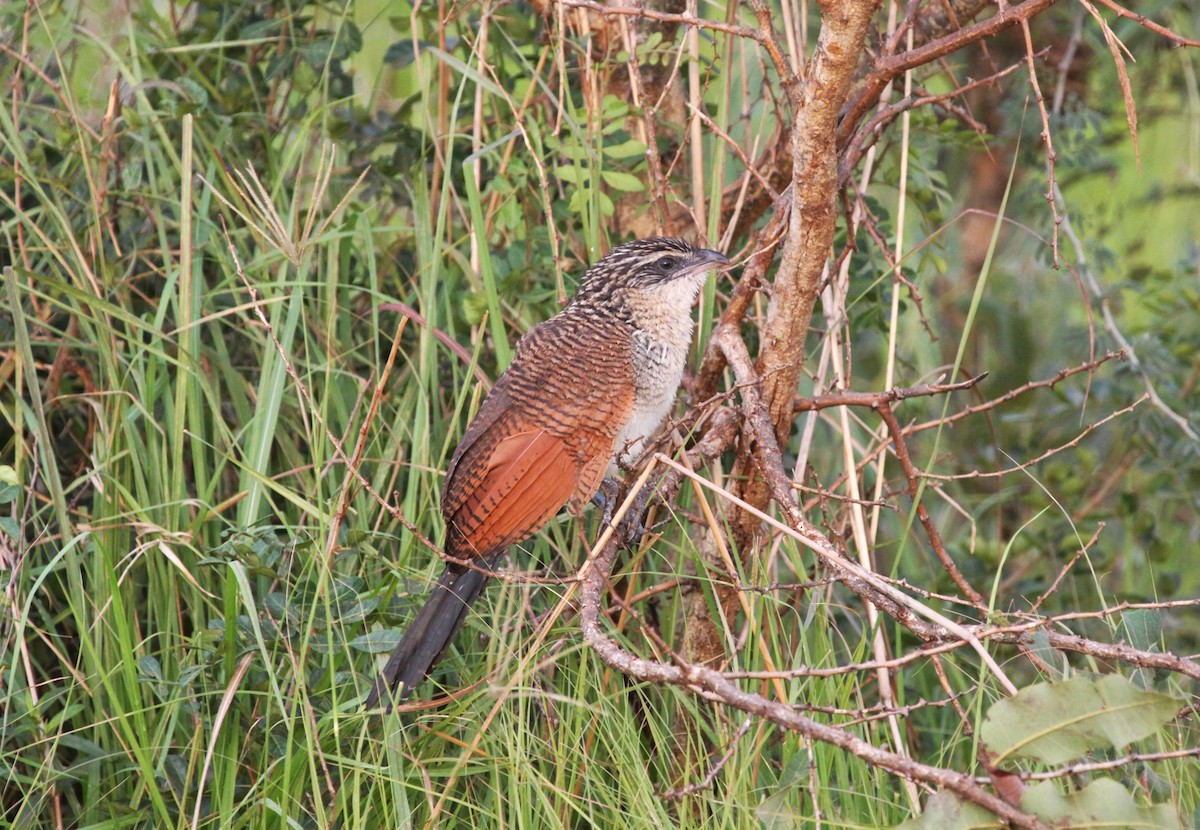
1054, 722
946, 812
1051, 723
1102, 803
198, 587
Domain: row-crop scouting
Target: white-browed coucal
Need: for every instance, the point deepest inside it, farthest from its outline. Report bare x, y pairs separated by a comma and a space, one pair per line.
585, 391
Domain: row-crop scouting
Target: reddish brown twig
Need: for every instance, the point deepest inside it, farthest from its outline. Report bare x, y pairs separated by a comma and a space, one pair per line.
714, 770
1065, 569
712, 685
446, 340
874, 400
1073, 770
1045, 383
752, 280
1074, 442
1047, 138
649, 120
1147, 23
887, 69
913, 476
874, 126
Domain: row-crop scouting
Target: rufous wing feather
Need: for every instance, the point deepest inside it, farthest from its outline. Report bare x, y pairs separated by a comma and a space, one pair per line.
529, 475
543, 438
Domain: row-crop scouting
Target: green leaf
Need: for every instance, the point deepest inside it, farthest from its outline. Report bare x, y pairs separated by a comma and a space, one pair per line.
9, 486
376, 642
945, 811
623, 181
570, 174
356, 611
626, 149
613, 106
1055, 722
1143, 627
150, 669
263, 29
1103, 803
577, 152
777, 811
197, 93
579, 200
401, 53
474, 307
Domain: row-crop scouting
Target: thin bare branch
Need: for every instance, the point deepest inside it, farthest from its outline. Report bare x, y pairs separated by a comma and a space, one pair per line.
712, 685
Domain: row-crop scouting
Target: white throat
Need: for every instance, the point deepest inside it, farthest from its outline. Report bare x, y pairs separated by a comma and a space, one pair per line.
662, 316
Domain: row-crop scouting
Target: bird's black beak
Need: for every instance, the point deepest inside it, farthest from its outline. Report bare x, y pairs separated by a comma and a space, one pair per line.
714, 259
703, 259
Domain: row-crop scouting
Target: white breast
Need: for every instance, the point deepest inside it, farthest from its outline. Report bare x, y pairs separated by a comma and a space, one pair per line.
659, 370
663, 319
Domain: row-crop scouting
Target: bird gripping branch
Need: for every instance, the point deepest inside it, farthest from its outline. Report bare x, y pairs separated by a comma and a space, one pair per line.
585, 391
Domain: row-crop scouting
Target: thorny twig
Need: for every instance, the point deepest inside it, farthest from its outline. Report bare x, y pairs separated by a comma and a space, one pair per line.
889, 68
712, 685
914, 490
1074, 442
874, 126
1072, 770
1146, 22
705, 783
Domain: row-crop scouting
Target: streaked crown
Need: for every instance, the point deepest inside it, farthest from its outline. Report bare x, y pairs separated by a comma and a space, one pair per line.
642, 265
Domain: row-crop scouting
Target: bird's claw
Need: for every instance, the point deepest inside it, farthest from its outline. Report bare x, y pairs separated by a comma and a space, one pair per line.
630, 529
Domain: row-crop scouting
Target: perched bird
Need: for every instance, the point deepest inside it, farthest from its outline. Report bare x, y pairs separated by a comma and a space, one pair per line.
585, 391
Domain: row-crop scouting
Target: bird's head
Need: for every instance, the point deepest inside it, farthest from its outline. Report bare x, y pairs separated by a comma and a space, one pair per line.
658, 271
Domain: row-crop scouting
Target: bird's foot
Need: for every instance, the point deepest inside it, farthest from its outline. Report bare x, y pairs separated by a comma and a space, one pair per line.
606, 499
630, 530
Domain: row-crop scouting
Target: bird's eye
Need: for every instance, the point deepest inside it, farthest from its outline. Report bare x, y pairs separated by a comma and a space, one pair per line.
666, 264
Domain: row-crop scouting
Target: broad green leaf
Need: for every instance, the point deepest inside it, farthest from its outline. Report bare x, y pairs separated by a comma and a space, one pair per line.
946, 811
1144, 628
579, 200
355, 611
9, 490
1055, 722
570, 174
606, 204
623, 181
626, 149
776, 813
401, 53
1103, 803
1058, 667
376, 641
577, 152
149, 668
614, 106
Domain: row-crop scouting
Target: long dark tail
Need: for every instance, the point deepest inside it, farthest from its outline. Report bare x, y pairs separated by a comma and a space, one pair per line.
427, 637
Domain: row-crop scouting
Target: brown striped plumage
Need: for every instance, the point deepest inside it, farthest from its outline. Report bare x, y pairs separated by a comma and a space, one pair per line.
585, 388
